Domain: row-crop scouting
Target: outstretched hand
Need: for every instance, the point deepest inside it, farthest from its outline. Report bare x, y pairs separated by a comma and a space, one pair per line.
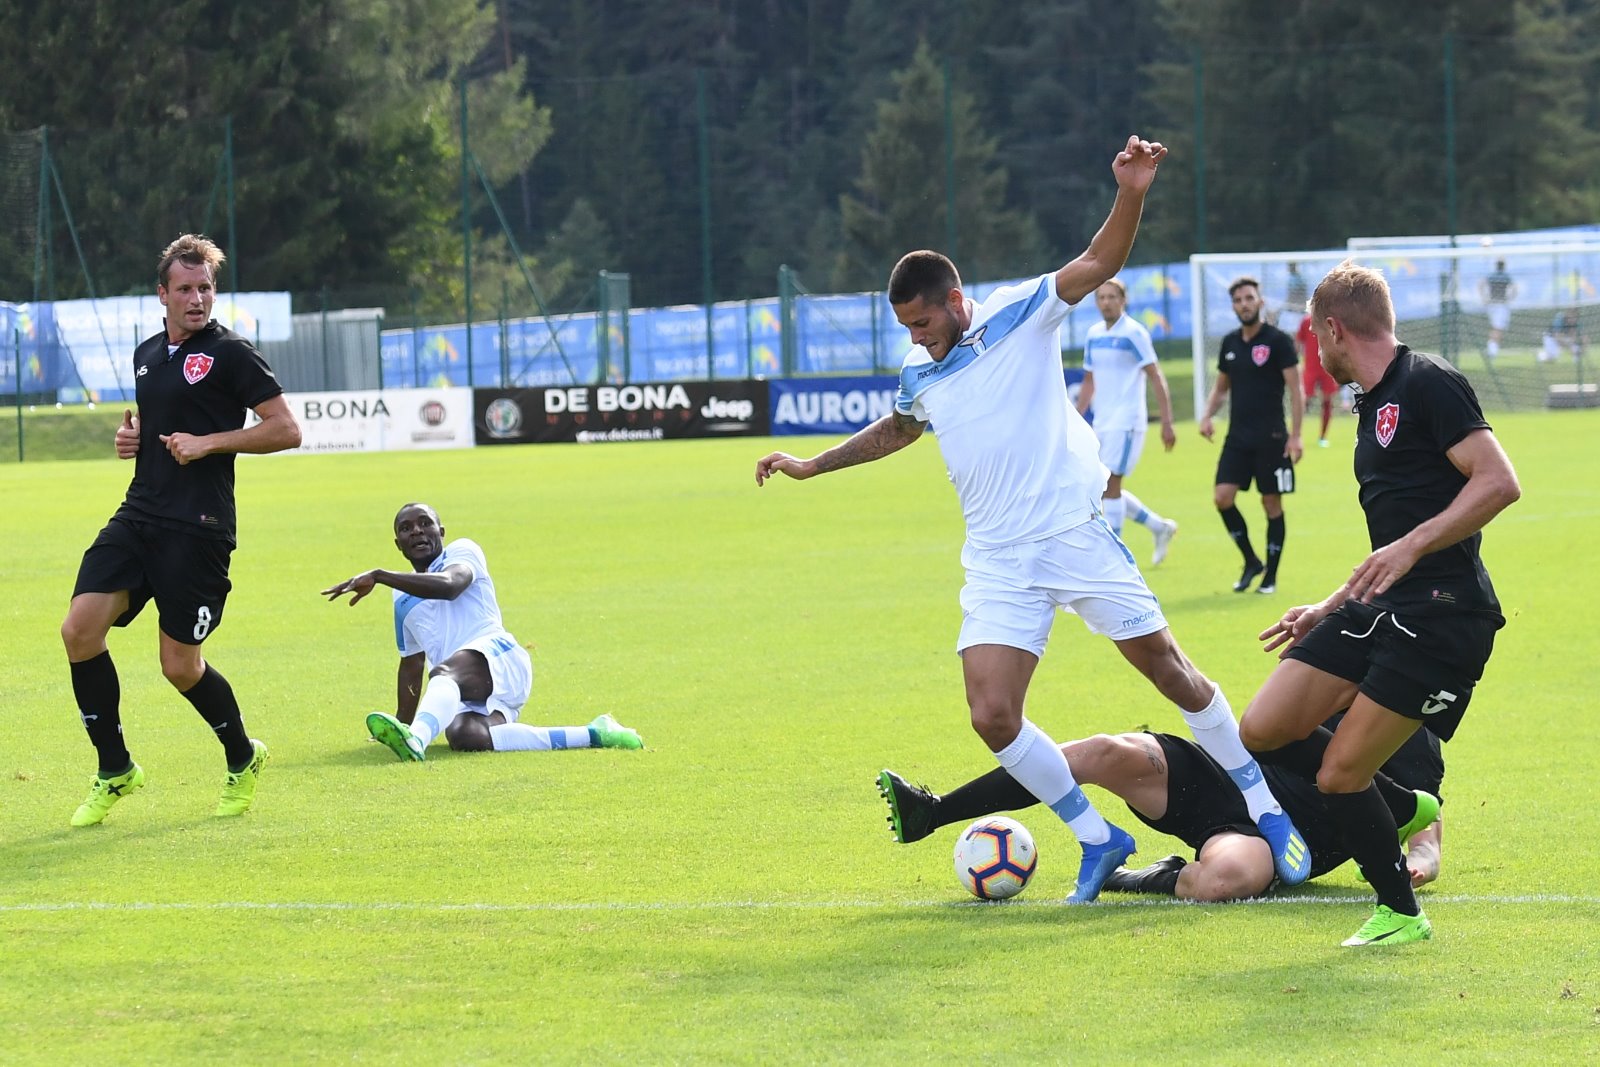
767, 466
358, 587
1135, 166
1295, 624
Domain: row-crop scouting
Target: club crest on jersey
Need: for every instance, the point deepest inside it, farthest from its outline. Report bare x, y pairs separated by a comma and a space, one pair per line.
1259, 354
196, 366
1388, 422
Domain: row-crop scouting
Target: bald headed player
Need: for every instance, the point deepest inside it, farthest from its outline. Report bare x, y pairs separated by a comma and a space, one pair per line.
446, 614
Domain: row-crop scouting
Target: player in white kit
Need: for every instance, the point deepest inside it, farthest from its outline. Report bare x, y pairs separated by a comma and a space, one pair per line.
446, 614
1026, 469
1118, 359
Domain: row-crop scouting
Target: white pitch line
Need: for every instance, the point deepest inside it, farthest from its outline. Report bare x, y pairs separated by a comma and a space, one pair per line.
1535, 899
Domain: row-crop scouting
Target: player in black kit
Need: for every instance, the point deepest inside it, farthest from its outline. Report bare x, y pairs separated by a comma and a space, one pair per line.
1257, 365
173, 535
1405, 640
1173, 787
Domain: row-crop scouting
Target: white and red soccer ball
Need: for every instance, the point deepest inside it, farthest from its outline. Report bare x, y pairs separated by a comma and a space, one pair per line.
995, 857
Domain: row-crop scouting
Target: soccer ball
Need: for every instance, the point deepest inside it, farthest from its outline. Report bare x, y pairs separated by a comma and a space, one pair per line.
995, 857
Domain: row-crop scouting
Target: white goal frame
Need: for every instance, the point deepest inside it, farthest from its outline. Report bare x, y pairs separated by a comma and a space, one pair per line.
1381, 257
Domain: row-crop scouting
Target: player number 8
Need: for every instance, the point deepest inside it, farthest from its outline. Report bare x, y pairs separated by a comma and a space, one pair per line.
202, 624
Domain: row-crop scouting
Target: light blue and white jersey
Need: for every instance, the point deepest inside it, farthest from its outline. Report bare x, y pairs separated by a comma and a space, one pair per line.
1024, 463
1118, 355
441, 628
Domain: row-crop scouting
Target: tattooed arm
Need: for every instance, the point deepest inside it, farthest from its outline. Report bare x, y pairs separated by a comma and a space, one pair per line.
889, 434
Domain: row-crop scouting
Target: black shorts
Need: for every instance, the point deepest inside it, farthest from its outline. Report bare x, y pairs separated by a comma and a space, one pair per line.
1421, 666
1202, 801
187, 575
1265, 464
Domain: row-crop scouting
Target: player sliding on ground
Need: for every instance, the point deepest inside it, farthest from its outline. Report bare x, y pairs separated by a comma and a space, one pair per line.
1173, 787
446, 614
1026, 467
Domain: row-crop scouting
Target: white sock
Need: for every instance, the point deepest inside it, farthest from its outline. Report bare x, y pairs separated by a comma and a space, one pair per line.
1493, 348
438, 708
1216, 731
519, 737
1141, 514
1112, 506
1037, 763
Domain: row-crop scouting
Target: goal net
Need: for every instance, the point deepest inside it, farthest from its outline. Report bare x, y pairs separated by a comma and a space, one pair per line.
1518, 321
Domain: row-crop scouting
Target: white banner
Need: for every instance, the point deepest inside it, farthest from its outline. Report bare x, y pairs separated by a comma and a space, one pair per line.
386, 420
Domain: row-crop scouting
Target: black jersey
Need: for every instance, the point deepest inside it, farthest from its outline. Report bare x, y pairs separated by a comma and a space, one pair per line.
1421, 408
1255, 380
204, 386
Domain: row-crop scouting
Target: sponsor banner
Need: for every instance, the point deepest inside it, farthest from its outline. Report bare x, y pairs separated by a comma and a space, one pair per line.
589, 414
387, 420
830, 405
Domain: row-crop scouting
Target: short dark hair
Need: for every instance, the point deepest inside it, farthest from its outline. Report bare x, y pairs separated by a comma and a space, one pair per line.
923, 273
192, 250
1242, 281
414, 504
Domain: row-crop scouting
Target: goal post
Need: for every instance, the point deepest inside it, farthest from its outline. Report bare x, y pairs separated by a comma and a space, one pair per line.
1517, 320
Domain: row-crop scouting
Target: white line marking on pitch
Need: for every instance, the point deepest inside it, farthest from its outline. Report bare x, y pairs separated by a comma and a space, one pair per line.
1535, 899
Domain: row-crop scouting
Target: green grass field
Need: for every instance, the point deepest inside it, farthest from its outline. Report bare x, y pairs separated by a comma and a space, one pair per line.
730, 894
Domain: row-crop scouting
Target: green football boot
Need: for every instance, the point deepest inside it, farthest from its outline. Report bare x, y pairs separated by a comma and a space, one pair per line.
239, 790
1427, 812
104, 793
606, 732
1389, 927
397, 736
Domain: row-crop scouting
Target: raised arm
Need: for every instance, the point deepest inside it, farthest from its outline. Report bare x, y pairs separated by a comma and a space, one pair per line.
441, 585
1134, 169
1491, 488
889, 434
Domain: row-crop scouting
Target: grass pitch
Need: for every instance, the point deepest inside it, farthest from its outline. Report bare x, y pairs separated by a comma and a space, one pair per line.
730, 894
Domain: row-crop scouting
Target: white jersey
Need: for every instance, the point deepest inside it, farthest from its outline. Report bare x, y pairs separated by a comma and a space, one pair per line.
1118, 355
441, 628
1024, 463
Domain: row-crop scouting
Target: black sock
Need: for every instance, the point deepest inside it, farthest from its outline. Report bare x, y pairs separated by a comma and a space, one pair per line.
213, 698
1274, 549
1303, 758
1402, 802
1239, 530
1372, 839
1160, 877
995, 791
99, 696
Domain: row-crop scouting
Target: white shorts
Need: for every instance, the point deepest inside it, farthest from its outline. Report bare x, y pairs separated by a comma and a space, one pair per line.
510, 674
1012, 593
1499, 316
1554, 346
1120, 450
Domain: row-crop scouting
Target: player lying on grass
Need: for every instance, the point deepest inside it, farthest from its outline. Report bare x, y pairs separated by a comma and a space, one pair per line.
1172, 786
446, 614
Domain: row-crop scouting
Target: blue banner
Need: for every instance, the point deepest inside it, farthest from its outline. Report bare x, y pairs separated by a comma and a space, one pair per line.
829, 405
32, 358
